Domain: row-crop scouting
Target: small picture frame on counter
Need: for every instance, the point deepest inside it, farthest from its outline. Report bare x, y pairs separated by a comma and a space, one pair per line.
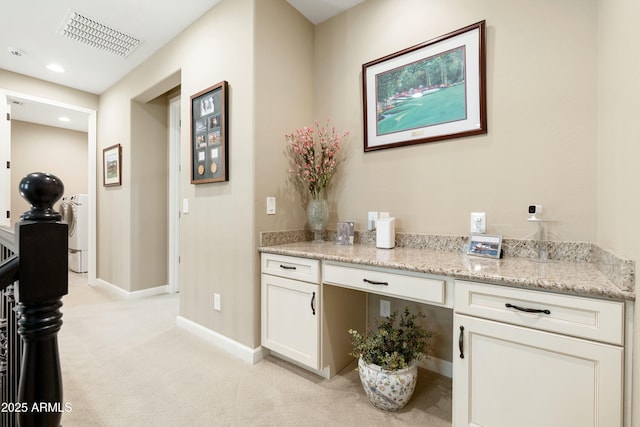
345, 231
487, 245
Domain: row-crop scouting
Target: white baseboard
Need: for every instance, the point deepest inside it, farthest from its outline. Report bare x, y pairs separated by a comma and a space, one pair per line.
158, 290
247, 354
254, 355
442, 367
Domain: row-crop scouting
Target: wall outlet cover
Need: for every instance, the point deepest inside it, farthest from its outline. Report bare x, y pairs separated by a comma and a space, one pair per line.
385, 308
478, 223
372, 217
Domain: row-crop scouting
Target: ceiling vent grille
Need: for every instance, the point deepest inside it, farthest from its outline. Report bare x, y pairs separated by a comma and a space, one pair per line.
92, 33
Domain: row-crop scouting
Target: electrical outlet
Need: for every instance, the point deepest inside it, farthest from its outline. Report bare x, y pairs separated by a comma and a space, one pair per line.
372, 217
216, 302
385, 308
478, 222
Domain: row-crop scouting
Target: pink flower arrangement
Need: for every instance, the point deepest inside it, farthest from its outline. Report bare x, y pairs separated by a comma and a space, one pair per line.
314, 154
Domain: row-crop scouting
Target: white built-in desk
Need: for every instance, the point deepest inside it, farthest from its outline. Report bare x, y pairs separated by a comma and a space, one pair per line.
534, 343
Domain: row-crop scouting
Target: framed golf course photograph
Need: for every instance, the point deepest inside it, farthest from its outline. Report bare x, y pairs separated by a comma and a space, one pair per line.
433, 91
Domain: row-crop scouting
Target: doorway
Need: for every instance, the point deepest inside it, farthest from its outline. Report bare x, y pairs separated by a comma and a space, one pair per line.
174, 194
42, 107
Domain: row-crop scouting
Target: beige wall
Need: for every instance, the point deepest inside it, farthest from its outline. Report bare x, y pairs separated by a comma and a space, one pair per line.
618, 133
217, 234
113, 225
149, 193
541, 105
218, 237
26, 85
618, 148
38, 148
284, 94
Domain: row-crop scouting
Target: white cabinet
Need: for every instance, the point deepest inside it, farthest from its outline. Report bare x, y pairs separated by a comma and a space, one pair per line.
290, 308
512, 367
522, 357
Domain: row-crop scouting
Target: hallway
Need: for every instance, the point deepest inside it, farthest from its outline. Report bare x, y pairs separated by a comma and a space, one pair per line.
125, 363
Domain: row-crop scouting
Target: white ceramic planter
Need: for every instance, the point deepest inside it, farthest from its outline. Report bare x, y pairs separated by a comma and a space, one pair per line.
387, 390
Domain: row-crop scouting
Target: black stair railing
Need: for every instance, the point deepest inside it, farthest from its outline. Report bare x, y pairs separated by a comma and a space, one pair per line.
30, 317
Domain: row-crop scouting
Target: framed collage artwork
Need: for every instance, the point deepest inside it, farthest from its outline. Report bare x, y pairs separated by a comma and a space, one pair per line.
209, 141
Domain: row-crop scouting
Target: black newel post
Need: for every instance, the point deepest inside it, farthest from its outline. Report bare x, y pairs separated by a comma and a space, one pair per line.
42, 248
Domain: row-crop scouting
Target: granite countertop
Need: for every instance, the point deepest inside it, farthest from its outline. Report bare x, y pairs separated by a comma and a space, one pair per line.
577, 278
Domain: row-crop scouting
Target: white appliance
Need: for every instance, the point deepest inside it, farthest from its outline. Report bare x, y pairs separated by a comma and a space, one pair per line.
386, 233
74, 210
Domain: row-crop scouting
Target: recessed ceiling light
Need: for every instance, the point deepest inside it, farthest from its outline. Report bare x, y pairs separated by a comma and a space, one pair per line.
55, 68
64, 119
15, 51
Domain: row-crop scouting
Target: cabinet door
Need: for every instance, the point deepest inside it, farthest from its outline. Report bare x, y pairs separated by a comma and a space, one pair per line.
514, 376
290, 319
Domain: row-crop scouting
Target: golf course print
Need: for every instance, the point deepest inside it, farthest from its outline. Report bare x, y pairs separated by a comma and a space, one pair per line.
424, 93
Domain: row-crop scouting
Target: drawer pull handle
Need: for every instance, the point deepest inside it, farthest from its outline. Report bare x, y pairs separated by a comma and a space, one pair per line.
313, 300
461, 342
287, 267
527, 310
371, 282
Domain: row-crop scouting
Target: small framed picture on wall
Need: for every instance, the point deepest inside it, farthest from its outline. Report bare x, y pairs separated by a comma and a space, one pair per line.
112, 166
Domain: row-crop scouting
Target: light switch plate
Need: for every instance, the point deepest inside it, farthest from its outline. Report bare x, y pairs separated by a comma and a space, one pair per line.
271, 205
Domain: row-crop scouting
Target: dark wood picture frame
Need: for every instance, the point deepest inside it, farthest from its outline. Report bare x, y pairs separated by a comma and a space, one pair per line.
112, 166
209, 140
432, 91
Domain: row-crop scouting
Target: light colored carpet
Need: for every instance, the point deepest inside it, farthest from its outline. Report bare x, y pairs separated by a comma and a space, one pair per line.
125, 363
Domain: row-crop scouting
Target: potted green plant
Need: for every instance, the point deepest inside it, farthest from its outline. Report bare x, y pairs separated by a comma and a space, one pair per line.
388, 356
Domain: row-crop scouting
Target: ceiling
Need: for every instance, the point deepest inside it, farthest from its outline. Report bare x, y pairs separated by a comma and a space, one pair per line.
31, 39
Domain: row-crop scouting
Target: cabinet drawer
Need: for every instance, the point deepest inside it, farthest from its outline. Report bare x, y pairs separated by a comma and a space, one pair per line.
290, 267
415, 288
589, 318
